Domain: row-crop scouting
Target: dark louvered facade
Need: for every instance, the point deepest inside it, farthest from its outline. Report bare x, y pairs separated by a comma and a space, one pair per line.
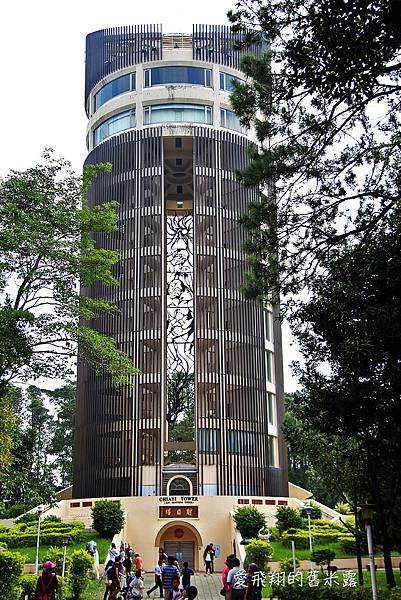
205, 414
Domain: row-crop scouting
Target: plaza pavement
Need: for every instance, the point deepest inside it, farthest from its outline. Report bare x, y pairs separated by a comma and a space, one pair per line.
208, 587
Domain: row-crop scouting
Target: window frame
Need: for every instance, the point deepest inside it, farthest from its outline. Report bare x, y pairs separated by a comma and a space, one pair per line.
132, 88
132, 115
147, 113
207, 76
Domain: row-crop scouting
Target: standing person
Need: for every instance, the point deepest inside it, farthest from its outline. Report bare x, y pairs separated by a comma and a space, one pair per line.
47, 583
176, 592
186, 576
162, 555
168, 572
254, 583
113, 585
207, 559
212, 553
136, 586
236, 579
158, 580
228, 566
105, 576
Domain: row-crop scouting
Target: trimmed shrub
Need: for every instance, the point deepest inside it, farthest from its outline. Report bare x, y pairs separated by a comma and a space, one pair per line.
28, 585
81, 562
288, 518
259, 552
249, 521
322, 557
322, 592
108, 518
56, 556
11, 569
301, 538
287, 565
347, 543
28, 518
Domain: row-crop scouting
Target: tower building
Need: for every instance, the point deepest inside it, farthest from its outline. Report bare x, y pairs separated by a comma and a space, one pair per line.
204, 416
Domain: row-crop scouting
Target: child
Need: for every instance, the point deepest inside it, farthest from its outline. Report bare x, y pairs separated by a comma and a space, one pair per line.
186, 576
177, 592
136, 586
192, 592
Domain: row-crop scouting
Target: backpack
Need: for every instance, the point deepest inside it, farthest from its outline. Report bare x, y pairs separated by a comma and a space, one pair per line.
44, 593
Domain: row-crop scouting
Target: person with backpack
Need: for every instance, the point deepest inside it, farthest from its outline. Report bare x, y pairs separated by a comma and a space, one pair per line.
47, 583
113, 585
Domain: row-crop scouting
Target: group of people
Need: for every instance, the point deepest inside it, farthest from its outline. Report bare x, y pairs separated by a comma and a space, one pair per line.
119, 573
239, 584
173, 583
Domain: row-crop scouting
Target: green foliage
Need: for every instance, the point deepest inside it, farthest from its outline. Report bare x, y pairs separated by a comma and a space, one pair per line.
55, 554
28, 584
81, 562
51, 533
287, 518
259, 552
322, 592
343, 508
287, 565
11, 569
249, 521
46, 247
322, 557
348, 543
108, 518
316, 512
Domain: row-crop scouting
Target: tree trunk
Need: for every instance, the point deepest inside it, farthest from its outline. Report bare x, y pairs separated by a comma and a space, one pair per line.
358, 546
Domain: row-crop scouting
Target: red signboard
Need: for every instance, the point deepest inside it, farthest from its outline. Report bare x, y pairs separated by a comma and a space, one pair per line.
169, 512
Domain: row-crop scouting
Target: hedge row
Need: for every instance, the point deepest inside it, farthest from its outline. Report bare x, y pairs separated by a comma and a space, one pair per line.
301, 538
50, 526
48, 538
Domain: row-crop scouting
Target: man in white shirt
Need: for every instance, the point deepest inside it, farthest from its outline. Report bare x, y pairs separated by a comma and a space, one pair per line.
158, 580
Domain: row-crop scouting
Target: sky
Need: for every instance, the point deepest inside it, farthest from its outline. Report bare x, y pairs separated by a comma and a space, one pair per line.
42, 54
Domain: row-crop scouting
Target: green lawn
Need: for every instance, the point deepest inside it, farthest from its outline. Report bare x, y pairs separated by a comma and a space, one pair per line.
29, 552
281, 552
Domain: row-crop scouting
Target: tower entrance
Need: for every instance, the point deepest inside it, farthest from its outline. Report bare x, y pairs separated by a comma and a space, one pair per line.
182, 541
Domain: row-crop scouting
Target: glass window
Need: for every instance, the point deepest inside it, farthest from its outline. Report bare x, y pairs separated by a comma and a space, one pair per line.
271, 408
270, 367
273, 462
118, 86
115, 124
268, 323
229, 120
241, 442
167, 75
226, 81
207, 440
177, 113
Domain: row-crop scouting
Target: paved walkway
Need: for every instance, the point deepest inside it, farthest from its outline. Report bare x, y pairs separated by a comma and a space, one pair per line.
208, 587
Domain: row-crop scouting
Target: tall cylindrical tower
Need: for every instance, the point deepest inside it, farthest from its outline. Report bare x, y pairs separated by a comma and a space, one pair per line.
204, 417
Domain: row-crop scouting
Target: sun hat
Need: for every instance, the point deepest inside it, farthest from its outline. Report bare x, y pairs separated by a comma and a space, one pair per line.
49, 565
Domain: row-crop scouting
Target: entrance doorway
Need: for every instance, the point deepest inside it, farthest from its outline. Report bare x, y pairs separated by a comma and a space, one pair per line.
181, 540
183, 551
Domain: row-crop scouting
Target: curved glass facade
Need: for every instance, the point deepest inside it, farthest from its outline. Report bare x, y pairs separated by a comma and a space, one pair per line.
118, 86
229, 120
177, 113
116, 124
167, 75
226, 81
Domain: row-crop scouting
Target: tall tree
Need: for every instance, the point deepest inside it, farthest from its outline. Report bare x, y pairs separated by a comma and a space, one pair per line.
349, 332
324, 100
46, 248
63, 402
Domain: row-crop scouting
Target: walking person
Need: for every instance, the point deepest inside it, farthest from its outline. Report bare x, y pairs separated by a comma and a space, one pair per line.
158, 580
47, 583
186, 576
113, 585
127, 562
168, 572
138, 562
112, 553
